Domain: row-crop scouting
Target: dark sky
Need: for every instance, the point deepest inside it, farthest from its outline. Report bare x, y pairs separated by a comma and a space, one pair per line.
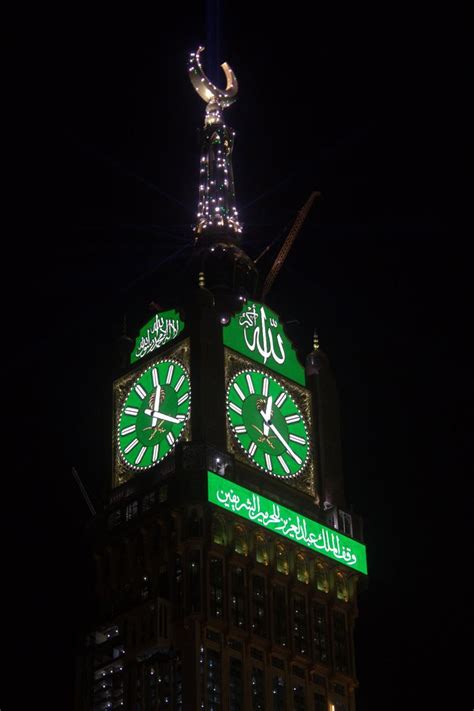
367, 106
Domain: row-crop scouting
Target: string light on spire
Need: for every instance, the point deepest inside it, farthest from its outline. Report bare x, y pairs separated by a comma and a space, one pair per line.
216, 206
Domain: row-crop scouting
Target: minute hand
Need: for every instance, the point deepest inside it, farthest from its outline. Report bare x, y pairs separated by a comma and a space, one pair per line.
161, 416
284, 443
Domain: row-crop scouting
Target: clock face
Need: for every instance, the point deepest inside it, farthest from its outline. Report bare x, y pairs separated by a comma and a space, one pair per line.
154, 414
267, 423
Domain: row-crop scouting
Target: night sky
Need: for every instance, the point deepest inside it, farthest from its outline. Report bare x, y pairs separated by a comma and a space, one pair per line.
369, 108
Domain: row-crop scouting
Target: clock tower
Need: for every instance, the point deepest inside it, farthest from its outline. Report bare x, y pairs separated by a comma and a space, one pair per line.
227, 564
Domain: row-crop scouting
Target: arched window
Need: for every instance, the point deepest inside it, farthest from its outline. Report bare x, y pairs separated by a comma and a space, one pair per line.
240, 540
341, 587
322, 578
218, 530
261, 550
282, 559
302, 571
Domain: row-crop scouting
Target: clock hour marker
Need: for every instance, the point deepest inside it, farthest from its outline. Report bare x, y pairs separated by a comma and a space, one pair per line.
241, 429
292, 418
239, 391
252, 448
154, 375
128, 430
170, 374
268, 461
250, 384
181, 418
156, 449
299, 440
131, 411
280, 399
130, 446
170, 438
140, 391
235, 408
140, 455
183, 398
179, 383
284, 465
265, 387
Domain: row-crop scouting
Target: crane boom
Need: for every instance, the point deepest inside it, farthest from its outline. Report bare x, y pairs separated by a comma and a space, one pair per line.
288, 243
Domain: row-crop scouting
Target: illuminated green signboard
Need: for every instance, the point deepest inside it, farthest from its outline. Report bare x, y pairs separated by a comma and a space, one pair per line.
287, 523
257, 333
163, 327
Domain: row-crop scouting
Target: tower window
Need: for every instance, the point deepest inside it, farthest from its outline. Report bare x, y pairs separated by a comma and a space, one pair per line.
320, 633
236, 692
299, 701
218, 530
131, 510
302, 571
282, 559
240, 540
194, 581
216, 585
278, 694
300, 637
322, 578
237, 597
341, 657
214, 688
280, 632
257, 689
261, 550
259, 622
341, 587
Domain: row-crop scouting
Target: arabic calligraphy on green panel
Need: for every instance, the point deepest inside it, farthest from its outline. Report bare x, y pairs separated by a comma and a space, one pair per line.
257, 333
278, 519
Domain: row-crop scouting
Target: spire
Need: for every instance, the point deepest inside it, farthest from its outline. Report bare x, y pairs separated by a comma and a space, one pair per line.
217, 213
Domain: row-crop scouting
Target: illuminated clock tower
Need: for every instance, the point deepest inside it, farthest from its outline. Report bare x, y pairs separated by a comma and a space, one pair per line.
227, 565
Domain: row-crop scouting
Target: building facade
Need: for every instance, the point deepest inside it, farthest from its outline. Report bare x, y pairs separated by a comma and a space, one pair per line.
227, 564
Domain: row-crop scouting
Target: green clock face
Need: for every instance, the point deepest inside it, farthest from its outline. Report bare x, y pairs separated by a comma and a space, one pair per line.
267, 423
154, 414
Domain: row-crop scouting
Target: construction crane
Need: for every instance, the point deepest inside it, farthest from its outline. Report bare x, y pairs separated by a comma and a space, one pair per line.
287, 244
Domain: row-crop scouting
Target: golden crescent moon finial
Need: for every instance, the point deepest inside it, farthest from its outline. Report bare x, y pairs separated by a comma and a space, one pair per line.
210, 93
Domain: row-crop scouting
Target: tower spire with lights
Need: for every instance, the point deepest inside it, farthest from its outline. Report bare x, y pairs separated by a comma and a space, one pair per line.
217, 211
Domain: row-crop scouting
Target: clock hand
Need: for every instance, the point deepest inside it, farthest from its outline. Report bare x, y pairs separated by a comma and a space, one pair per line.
266, 417
156, 404
160, 416
283, 441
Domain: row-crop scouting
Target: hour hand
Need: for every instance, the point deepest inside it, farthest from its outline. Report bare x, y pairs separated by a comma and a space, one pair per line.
155, 415
266, 416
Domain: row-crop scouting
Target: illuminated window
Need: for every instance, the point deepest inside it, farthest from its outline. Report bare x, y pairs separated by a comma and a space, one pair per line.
216, 585
278, 694
302, 571
218, 530
240, 540
320, 633
322, 578
282, 559
300, 637
344, 522
237, 597
261, 550
280, 631
259, 622
341, 587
